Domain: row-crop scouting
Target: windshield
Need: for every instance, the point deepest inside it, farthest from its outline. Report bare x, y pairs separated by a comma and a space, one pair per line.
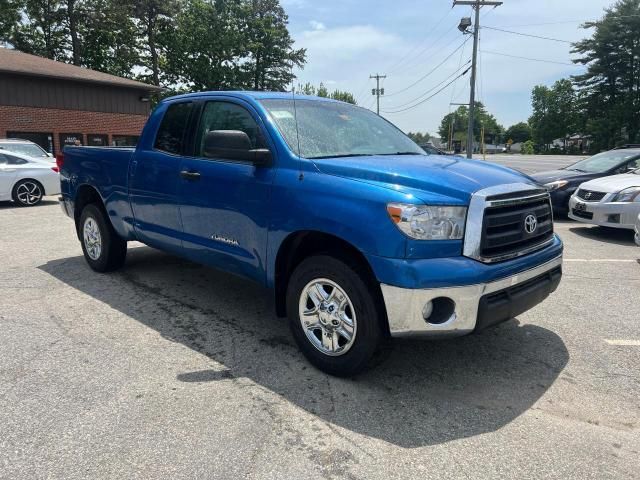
29, 149
332, 129
603, 162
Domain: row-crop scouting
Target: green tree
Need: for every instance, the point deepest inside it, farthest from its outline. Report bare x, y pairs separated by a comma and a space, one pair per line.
419, 138
457, 122
271, 56
519, 132
554, 112
322, 91
609, 91
40, 28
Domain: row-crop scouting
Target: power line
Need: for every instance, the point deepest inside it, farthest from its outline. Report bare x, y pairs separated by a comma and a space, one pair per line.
415, 47
431, 96
528, 35
432, 88
447, 57
531, 59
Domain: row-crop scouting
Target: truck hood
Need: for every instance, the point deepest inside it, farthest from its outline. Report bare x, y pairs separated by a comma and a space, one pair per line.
427, 177
614, 183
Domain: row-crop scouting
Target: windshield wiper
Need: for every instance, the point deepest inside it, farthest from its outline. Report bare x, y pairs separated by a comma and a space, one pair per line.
576, 170
402, 153
342, 155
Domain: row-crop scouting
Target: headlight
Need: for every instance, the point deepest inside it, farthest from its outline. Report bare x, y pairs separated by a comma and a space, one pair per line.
555, 185
631, 194
429, 222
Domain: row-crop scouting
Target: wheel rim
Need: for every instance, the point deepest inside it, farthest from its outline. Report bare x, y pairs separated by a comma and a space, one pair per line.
327, 316
29, 193
92, 238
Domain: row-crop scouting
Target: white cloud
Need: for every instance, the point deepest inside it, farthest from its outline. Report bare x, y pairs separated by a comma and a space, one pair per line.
315, 25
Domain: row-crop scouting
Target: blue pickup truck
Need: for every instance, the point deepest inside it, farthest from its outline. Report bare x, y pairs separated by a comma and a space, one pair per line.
360, 234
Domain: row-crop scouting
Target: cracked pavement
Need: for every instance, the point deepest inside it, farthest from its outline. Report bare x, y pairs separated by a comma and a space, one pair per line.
168, 369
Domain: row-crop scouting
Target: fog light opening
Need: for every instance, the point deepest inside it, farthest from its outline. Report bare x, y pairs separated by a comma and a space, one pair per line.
613, 218
438, 310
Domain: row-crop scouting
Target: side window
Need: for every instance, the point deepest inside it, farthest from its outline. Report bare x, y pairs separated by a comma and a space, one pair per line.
634, 163
11, 160
3, 159
170, 137
225, 116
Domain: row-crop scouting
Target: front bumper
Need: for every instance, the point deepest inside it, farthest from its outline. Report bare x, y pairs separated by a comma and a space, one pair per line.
605, 213
473, 307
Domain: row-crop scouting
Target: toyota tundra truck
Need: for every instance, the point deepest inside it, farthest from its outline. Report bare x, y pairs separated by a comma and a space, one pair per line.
359, 233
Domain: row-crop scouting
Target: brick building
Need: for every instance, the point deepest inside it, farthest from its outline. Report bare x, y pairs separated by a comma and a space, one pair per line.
55, 104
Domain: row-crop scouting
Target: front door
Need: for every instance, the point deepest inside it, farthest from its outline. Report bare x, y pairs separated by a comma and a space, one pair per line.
224, 203
154, 181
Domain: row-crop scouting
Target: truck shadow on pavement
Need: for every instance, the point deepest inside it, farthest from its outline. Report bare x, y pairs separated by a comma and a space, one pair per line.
424, 393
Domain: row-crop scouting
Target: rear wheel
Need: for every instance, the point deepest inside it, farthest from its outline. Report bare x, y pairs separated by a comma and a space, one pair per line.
103, 248
28, 193
334, 316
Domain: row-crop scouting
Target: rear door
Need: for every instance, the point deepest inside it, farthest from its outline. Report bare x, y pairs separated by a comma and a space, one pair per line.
154, 181
224, 203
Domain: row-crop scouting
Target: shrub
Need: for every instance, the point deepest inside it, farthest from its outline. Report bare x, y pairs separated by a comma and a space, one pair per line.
527, 148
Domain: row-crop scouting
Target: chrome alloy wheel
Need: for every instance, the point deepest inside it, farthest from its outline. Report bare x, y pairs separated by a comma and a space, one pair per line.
92, 238
29, 193
328, 317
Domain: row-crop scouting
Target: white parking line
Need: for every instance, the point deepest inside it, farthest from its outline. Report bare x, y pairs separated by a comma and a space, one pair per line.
625, 343
603, 260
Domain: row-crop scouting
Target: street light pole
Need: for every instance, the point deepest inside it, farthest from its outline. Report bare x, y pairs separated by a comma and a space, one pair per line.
476, 4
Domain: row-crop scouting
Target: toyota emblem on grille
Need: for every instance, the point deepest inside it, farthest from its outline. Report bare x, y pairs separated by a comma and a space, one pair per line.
530, 223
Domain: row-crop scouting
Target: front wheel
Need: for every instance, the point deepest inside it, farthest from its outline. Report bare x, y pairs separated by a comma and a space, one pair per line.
103, 248
334, 315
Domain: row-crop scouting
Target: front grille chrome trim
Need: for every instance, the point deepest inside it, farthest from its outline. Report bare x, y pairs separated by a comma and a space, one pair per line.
481, 200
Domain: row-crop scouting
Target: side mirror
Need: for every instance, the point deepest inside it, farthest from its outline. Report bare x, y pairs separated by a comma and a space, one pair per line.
234, 145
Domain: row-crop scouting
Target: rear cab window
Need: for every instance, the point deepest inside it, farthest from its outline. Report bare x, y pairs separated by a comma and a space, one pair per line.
171, 134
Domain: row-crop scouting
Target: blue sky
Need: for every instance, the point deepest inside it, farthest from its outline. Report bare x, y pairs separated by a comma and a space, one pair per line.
349, 40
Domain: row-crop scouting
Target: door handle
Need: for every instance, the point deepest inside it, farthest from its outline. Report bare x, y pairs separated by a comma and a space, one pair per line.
187, 175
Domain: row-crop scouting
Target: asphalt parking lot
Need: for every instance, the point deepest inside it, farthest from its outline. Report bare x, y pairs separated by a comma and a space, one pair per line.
172, 370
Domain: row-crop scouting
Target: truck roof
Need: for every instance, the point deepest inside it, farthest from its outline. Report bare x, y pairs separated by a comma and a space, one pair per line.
251, 95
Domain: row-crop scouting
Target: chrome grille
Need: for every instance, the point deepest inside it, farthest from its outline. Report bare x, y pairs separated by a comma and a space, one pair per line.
590, 195
504, 231
495, 228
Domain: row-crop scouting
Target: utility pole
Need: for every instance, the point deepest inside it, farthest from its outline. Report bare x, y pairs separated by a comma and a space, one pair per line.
377, 91
476, 4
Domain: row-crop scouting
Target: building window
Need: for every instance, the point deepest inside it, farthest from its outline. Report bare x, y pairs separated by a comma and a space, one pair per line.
45, 140
70, 139
124, 140
97, 140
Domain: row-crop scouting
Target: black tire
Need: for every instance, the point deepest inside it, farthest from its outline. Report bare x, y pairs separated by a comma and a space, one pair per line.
27, 193
369, 315
113, 249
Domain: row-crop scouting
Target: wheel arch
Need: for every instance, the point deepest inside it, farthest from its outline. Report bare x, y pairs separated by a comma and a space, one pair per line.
302, 244
85, 195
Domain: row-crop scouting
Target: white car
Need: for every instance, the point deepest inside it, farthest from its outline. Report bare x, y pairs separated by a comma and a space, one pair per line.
608, 201
637, 237
26, 180
25, 147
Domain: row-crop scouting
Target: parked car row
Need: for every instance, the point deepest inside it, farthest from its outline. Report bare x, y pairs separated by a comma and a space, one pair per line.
601, 190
